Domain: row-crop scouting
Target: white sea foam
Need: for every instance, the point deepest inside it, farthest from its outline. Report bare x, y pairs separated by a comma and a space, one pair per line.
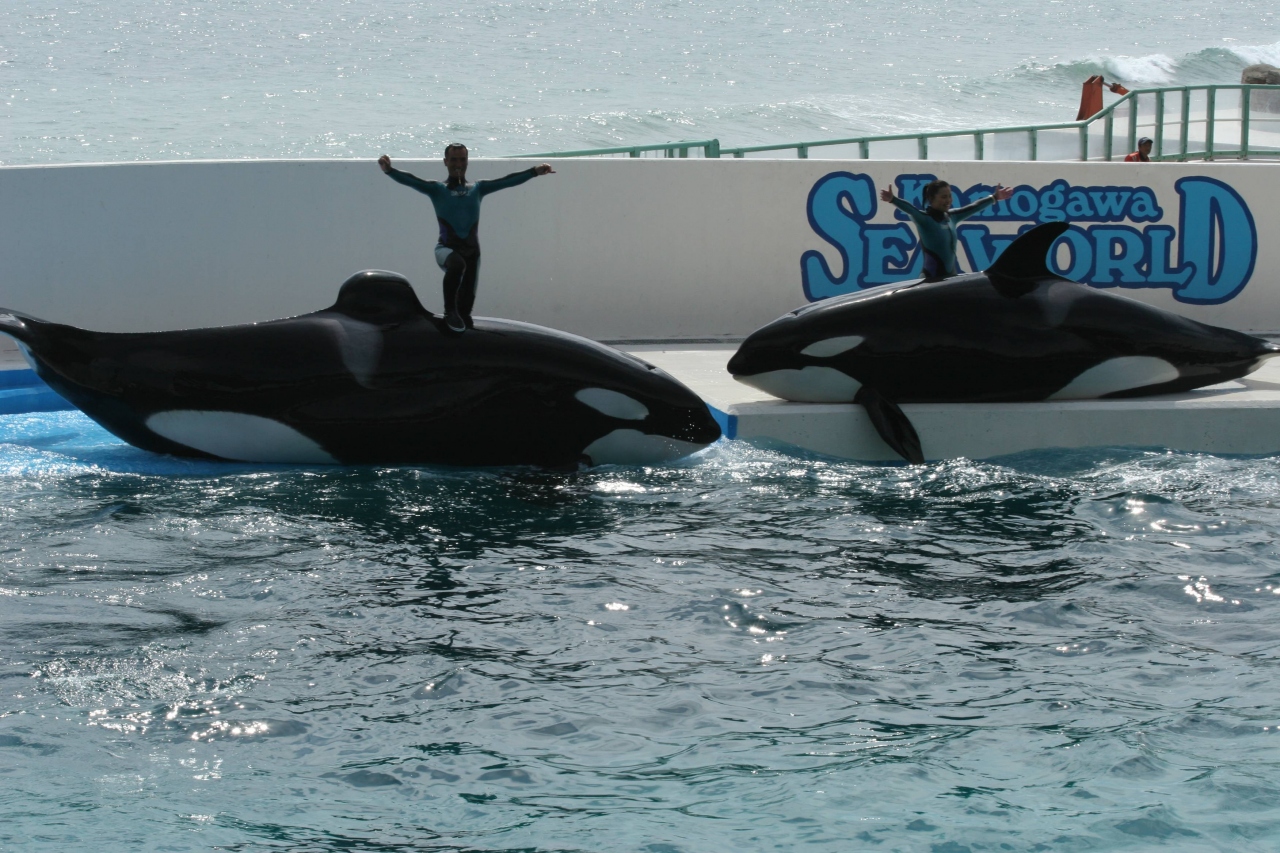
1253, 54
1155, 69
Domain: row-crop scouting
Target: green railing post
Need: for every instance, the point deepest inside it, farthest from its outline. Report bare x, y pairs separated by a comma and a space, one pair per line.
1245, 92
1084, 142
1108, 130
922, 147
1159, 140
712, 149
1211, 102
1186, 121
1034, 143
635, 152
979, 148
802, 152
864, 149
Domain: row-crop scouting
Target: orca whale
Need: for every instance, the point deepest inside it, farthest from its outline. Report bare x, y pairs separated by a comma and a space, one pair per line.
374, 379
1016, 332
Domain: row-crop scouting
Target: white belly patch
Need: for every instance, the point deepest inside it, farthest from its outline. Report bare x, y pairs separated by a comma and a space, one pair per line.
808, 385
632, 447
243, 438
1118, 374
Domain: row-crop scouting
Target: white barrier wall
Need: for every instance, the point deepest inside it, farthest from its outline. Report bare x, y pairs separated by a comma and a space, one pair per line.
615, 249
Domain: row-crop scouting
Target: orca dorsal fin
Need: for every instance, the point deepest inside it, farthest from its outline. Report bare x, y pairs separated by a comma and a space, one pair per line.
1028, 256
377, 296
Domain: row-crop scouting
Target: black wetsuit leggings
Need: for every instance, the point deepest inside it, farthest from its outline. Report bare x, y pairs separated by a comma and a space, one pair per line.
460, 284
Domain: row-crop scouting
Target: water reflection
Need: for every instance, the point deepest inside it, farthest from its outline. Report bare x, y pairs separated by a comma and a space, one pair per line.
749, 643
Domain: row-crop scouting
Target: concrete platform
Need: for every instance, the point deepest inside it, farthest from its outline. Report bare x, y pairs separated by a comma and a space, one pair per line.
1241, 417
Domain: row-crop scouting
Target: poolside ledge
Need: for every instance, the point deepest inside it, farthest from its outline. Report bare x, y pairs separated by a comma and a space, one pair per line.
1241, 417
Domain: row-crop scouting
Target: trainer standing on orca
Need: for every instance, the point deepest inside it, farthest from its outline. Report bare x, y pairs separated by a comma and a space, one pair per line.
936, 224
457, 205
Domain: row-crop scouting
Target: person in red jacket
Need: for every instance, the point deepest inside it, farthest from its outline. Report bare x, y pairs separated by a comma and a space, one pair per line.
1143, 154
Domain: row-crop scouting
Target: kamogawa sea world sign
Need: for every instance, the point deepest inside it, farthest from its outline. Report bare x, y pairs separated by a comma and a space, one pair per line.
1199, 241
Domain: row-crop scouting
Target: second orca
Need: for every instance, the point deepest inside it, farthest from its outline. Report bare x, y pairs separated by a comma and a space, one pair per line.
1016, 332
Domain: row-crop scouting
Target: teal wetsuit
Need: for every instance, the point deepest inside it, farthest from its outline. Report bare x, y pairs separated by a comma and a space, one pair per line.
457, 206
938, 234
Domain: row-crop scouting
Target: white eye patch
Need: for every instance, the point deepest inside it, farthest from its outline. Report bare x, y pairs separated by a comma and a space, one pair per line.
832, 346
613, 404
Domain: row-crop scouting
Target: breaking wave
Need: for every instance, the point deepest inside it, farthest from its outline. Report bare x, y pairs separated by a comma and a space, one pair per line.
1208, 65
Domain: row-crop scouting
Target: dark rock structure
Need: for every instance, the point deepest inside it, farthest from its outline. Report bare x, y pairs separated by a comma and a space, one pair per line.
1263, 75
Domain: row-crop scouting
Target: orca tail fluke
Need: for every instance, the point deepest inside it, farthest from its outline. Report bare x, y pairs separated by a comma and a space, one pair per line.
15, 326
892, 424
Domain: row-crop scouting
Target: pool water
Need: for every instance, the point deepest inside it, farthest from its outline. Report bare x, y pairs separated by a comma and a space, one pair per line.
744, 651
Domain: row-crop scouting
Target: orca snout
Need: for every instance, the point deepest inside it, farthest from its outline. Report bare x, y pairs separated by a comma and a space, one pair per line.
768, 348
662, 425
678, 414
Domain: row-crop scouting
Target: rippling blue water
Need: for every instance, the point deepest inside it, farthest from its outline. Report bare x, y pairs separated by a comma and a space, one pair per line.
1062, 651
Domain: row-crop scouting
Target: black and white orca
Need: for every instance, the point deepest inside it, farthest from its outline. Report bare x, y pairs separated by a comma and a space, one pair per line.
1016, 332
374, 379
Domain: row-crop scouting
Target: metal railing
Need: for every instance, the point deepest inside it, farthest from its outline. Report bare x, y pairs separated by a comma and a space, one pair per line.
1230, 121
703, 147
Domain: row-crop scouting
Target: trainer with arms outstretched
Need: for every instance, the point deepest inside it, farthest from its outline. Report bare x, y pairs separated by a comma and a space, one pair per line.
457, 205
936, 224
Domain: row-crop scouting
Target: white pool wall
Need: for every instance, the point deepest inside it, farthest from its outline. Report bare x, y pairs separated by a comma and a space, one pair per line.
614, 249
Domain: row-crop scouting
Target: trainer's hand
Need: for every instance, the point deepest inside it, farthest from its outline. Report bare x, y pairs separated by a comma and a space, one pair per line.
385, 162
544, 169
1002, 192
886, 194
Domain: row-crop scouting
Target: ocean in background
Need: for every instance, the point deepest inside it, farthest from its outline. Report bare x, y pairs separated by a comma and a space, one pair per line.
1065, 651
92, 80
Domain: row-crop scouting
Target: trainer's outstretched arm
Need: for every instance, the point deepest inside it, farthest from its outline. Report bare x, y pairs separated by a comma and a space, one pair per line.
411, 181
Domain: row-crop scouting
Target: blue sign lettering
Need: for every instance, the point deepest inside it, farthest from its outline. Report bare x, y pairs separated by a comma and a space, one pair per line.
1111, 241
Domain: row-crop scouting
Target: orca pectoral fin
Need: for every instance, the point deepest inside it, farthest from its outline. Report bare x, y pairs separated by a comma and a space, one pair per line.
892, 424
